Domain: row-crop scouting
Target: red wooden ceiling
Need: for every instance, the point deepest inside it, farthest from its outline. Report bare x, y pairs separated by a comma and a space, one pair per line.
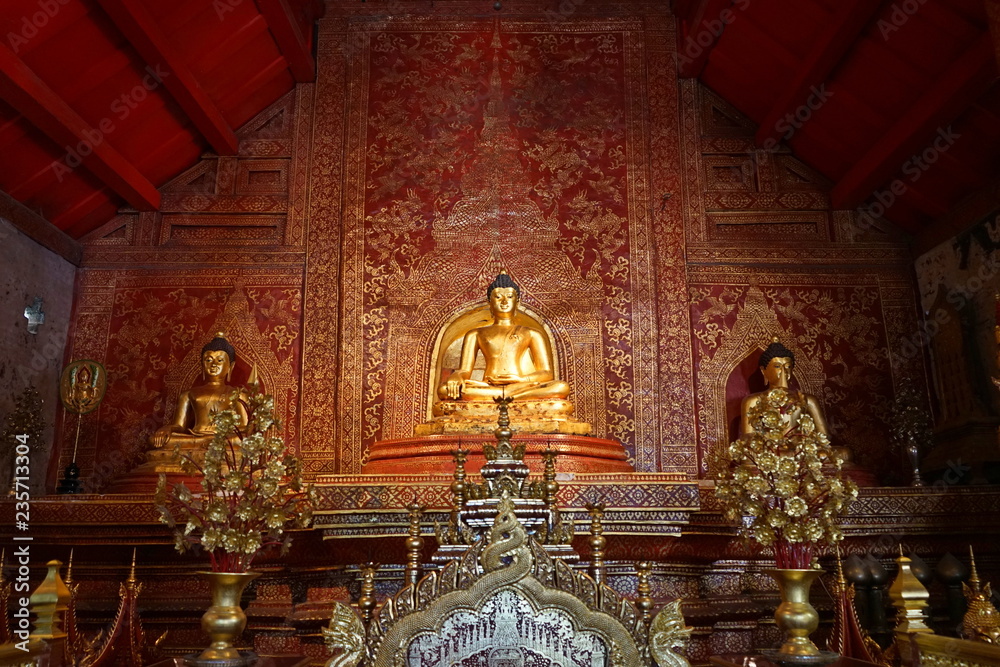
103, 101
897, 73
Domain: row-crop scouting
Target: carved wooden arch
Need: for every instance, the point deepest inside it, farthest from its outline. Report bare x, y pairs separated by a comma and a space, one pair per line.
756, 324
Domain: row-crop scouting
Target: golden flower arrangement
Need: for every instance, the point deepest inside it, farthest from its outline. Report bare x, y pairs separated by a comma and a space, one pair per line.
785, 488
252, 490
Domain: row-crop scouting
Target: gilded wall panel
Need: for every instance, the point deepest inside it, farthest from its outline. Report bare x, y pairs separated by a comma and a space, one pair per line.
149, 338
322, 355
474, 146
834, 322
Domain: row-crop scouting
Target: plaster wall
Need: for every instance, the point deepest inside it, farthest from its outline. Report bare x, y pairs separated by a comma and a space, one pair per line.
28, 270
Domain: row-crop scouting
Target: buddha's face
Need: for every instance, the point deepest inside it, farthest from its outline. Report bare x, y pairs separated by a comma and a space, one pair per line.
778, 372
216, 364
503, 300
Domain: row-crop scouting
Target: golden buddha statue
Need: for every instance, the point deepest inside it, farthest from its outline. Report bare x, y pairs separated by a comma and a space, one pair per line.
776, 364
192, 428
518, 364
503, 345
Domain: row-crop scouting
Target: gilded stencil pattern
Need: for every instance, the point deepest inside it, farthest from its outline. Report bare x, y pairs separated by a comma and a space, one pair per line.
152, 338
500, 157
838, 326
321, 318
673, 363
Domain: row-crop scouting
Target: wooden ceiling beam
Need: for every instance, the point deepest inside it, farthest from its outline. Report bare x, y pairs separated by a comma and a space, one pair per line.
962, 83
699, 35
993, 16
39, 229
827, 52
21, 88
141, 31
294, 46
960, 217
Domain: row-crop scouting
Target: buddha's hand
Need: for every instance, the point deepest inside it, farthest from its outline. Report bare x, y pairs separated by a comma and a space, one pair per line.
161, 437
453, 387
506, 378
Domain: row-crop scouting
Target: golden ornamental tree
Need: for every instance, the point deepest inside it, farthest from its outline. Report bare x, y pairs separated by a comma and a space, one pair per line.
784, 487
251, 490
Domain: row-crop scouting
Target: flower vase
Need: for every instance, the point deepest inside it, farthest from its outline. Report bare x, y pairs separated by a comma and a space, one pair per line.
224, 621
797, 619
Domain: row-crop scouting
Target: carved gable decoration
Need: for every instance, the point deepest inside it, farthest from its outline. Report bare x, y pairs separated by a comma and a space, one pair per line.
506, 603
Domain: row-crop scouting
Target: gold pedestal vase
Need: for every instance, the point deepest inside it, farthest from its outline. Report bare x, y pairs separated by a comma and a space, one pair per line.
797, 619
224, 621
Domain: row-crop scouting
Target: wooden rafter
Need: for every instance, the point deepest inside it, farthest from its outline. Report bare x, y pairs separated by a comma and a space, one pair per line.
699, 34
960, 217
958, 87
993, 15
828, 50
294, 46
140, 29
39, 229
21, 88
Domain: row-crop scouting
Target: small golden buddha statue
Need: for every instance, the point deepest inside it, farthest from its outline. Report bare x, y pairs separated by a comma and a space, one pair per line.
518, 364
776, 364
192, 427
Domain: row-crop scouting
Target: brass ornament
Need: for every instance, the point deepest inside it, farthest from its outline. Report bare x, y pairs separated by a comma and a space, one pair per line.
507, 575
344, 636
669, 634
82, 386
982, 621
909, 597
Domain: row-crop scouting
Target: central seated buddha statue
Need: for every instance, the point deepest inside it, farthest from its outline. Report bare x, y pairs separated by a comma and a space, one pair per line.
517, 359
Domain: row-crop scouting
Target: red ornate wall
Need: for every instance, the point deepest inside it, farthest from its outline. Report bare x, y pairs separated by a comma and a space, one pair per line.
365, 210
766, 256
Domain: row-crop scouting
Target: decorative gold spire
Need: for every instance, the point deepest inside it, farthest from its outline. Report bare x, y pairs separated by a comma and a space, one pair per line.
49, 601
131, 581
982, 620
847, 637
909, 597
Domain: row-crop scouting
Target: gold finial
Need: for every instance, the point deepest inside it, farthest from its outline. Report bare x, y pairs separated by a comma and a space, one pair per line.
252, 380
414, 543
69, 569
775, 339
643, 600
220, 334
131, 574
901, 550
3, 558
49, 601
841, 580
909, 597
974, 576
597, 541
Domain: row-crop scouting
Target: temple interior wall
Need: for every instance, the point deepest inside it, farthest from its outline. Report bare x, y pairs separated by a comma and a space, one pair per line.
27, 359
959, 284
659, 245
